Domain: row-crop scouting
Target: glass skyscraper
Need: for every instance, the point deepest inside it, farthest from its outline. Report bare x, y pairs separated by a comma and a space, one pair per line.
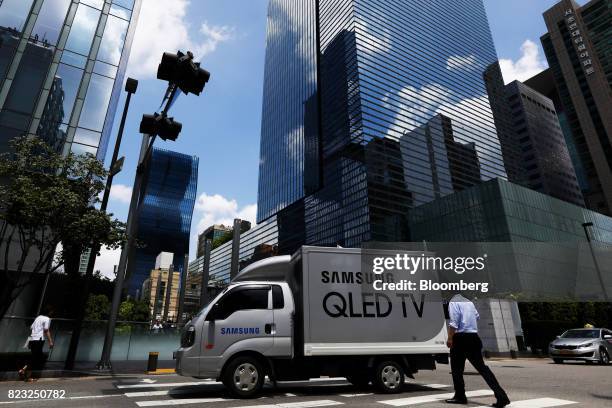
164, 215
62, 64
290, 123
372, 108
577, 47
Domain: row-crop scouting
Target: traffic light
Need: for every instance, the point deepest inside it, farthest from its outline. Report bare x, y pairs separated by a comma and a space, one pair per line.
180, 69
160, 125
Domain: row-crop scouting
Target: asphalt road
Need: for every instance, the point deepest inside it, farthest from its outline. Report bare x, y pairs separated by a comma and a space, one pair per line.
529, 383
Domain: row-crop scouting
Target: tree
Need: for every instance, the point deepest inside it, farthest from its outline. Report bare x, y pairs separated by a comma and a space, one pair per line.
134, 311
47, 199
98, 307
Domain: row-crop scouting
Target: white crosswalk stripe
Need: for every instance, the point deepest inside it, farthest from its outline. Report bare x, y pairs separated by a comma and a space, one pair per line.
164, 403
302, 404
355, 395
143, 394
402, 402
540, 403
436, 386
148, 391
161, 385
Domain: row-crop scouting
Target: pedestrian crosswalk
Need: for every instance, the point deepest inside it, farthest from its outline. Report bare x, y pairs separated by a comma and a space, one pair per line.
208, 393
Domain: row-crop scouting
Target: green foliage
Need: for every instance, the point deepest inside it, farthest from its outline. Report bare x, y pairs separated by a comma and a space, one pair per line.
98, 307
217, 242
134, 311
47, 199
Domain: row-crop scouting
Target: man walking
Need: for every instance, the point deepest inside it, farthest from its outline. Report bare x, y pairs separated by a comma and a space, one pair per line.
464, 343
39, 330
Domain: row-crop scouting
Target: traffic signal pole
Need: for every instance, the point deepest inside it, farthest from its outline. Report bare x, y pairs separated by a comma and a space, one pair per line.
146, 148
187, 76
105, 362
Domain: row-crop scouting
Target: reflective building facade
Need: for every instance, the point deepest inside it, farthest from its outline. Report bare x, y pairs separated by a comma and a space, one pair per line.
578, 47
290, 124
62, 64
544, 155
164, 217
402, 109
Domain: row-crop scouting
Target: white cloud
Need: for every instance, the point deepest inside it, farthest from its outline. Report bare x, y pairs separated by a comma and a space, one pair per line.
121, 193
107, 260
529, 64
165, 29
216, 209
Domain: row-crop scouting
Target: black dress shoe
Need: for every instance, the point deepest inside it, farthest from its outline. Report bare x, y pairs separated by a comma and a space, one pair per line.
501, 403
456, 400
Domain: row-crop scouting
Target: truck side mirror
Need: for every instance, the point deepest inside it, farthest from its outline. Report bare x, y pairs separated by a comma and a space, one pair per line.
212, 314
558, 337
608, 337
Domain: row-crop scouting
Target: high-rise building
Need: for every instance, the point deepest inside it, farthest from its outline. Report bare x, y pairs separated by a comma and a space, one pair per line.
544, 157
220, 234
155, 292
544, 83
212, 233
365, 116
577, 47
164, 215
62, 65
290, 112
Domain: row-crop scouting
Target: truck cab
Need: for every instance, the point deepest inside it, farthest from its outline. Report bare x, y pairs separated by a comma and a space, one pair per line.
250, 318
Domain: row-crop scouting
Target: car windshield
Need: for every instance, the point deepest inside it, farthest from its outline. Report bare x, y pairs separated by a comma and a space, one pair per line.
581, 334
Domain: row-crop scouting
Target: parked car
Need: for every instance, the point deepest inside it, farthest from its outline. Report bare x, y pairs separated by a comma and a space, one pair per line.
588, 345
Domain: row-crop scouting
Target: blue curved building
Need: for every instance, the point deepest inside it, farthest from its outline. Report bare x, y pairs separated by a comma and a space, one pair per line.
164, 217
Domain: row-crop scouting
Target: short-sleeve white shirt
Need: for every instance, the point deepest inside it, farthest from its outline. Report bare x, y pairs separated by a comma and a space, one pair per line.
41, 323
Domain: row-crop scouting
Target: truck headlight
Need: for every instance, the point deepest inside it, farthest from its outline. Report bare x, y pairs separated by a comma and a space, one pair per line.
188, 336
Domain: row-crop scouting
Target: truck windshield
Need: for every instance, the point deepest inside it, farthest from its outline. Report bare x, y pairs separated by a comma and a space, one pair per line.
212, 302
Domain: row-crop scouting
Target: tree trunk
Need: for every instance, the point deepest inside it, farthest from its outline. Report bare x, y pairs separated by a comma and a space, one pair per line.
78, 324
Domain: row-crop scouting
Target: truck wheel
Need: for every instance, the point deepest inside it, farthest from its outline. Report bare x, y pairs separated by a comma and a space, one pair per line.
389, 377
359, 380
244, 377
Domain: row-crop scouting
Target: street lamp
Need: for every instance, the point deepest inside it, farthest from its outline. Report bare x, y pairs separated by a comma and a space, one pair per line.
131, 85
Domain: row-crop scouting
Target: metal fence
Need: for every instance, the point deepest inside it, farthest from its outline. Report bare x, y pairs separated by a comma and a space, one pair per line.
133, 340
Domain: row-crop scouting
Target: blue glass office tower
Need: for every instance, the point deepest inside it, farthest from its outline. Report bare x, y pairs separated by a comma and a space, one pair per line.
290, 123
391, 110
164, 217
62, 64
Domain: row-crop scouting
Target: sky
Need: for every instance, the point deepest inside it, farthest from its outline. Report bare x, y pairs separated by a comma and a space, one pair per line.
222, 125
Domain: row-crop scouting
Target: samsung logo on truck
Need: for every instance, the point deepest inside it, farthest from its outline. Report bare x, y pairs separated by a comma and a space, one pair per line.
239, 330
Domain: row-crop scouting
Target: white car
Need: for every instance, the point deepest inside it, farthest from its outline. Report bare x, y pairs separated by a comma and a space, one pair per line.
590, 345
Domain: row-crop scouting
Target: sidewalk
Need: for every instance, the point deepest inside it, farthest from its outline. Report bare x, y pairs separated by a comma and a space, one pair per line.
88, 369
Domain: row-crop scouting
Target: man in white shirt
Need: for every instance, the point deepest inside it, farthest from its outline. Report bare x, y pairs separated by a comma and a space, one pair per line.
464, 343
40, 329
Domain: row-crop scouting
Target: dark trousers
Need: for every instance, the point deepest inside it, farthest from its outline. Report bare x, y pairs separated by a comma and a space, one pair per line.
37, 360
469, 346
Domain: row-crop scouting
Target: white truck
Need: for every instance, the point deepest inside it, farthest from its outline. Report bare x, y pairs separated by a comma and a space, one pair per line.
309, 315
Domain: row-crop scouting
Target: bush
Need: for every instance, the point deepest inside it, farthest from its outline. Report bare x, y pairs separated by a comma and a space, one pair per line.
98, 307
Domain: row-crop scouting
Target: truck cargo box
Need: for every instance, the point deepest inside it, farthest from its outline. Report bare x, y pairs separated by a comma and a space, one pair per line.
340, 313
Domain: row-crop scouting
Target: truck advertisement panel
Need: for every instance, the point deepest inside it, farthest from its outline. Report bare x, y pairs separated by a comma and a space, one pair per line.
345, 302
